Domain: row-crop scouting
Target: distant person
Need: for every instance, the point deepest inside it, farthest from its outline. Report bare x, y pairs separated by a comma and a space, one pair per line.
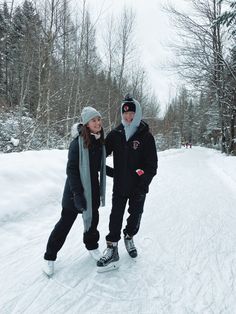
83, 191
135, 164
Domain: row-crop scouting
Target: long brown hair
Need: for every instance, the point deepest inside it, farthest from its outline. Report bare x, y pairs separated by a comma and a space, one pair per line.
85, 133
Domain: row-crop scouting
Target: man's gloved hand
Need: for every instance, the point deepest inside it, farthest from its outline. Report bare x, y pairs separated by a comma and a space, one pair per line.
80, 202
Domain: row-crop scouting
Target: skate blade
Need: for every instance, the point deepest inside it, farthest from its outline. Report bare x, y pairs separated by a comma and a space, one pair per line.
112, 266
47, 275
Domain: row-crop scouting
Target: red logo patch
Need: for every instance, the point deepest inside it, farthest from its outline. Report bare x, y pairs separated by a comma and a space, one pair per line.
126, 108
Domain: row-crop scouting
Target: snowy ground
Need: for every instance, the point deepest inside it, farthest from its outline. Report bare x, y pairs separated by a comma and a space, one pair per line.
186, 244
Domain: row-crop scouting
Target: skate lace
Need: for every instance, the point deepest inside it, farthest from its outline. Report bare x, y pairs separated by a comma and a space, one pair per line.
50, 264
130, 244
107, 254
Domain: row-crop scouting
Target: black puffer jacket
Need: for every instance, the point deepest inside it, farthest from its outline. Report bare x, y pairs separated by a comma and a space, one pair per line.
73, 183
139, 152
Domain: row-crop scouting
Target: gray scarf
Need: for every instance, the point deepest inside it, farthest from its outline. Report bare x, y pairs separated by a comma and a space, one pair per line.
86, 181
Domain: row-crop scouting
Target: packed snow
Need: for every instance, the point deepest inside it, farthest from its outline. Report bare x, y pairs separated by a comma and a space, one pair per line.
186, 243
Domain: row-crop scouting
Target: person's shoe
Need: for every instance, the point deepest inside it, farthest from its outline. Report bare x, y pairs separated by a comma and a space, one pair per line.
48, 267
110, 258
95, 254
130, 247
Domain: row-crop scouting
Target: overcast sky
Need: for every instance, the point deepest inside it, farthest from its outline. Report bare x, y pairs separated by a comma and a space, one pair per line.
153, 32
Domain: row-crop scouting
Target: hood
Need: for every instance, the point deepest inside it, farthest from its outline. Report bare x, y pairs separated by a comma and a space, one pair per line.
137, 117
76, 129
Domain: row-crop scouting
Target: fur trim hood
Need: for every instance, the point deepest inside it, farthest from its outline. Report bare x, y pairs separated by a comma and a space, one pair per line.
76, 129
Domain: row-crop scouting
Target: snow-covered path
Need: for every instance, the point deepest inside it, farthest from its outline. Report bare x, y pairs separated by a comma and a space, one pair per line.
186, 244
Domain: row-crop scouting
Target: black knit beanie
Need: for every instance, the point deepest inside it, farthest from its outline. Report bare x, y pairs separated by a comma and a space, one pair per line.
128, 104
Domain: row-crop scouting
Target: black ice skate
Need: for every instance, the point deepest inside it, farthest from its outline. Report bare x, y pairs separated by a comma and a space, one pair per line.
110, 258
130, 247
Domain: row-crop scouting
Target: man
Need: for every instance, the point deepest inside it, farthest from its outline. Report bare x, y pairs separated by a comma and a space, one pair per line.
135, 164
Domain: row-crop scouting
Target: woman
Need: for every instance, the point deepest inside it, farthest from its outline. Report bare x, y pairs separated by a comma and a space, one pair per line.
83, 191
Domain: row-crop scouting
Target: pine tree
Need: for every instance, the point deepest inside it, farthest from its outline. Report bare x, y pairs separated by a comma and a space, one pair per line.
5, 54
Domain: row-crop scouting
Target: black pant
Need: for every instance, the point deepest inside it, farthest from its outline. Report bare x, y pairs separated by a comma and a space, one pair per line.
62, 228
135, 211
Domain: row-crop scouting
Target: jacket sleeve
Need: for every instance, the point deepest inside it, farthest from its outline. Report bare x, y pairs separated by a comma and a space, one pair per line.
109, 171
72, 169
109, 144
150, 163
109, 150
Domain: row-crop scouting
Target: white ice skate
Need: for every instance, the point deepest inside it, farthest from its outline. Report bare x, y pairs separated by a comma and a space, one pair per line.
48, 268
95, 254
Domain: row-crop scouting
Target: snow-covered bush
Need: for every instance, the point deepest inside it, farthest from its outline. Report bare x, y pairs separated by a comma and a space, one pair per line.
17, 134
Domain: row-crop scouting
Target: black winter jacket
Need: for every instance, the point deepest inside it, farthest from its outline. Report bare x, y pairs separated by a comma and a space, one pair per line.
139, 152
73, 185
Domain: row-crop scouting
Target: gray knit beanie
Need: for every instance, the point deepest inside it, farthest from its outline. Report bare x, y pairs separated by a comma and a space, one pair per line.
89, 113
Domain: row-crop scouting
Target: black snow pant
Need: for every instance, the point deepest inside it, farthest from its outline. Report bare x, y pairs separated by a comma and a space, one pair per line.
135, 210
62, 228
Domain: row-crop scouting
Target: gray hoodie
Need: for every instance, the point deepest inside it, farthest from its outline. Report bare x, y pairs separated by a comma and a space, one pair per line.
131, 128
